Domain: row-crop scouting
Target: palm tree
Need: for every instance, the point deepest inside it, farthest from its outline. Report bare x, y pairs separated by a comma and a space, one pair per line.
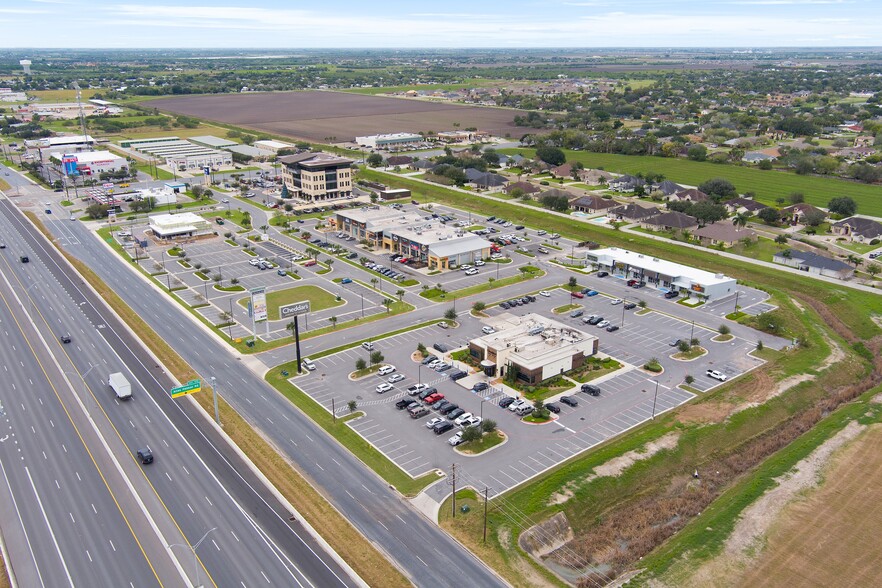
740, 220
333, 321
854, 260
290, 327
400, 294
313, 252
387, 302
374, 282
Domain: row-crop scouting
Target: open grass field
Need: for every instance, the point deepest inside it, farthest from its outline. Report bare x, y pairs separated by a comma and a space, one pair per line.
62, 95
422, 87
767, 185
317, 116
825, 540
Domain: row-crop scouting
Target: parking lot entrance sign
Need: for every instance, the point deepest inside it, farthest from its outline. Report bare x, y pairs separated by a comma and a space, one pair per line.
190, 387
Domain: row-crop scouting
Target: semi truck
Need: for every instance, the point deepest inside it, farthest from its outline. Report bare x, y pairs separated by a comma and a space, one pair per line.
120, 386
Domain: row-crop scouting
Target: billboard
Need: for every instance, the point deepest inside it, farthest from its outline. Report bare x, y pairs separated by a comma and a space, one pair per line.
294, 309
69, 163
258, 304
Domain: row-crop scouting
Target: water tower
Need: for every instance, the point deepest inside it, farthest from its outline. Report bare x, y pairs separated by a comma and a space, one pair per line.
26, 64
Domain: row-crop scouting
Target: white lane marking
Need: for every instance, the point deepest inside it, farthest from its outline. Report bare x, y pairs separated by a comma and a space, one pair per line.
48, 526
21, 521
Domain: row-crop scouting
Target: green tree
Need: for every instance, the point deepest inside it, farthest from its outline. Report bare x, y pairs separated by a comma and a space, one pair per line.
479, 306
360, 364
843, 205
376, 357
470, 434
96, 211
718, 189
724, 330
572, 283
333, 321
740, 219
813, 218
450, 314
488, 425
873, 269
352, 405
421, 349
400, 293
769, 215
375, 160
697, 152
290, 327
551, 155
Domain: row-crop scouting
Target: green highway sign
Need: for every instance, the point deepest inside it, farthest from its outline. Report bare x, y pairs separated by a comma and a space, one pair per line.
190, 387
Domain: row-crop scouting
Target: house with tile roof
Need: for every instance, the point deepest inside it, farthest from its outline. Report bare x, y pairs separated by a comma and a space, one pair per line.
723, 233
814, 263
793, 214
592, 203
858, 229
632, 213
740, 205
670, 221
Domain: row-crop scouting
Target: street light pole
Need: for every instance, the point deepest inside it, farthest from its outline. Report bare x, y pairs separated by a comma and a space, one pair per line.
214, 394
193, 548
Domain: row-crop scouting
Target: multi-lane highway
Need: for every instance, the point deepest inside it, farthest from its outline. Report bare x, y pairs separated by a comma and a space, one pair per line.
422, 550
86, 513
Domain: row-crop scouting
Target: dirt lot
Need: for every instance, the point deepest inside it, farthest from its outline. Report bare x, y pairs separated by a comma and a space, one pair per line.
828, 539
317, 115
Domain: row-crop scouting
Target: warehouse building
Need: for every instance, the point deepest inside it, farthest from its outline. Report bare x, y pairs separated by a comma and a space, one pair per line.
274, 146
662, 274
183, 155
391, 141
534, 346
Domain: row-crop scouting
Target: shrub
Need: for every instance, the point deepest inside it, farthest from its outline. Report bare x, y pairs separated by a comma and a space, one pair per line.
360, 364
724, 330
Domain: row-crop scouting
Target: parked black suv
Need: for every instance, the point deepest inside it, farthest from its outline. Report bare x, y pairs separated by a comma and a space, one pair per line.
480, 386
591, 389
442, 427
569, 401
506, 402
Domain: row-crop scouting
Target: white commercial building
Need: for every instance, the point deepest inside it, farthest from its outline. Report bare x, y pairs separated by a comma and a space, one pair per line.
662, 274
92, 162
391, 140
426, 242
167, 226
536, 347
161, 196
68, 143
274, 146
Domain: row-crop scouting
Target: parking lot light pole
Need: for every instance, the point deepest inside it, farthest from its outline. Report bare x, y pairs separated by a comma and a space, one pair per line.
655, 398
623, 313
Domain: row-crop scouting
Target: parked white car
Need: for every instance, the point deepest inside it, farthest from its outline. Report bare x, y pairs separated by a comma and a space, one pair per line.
456, 439
716, 375
395, 378
432, 422
386, 369
462, 418
384, 387
472, 422
615, 301
545, 293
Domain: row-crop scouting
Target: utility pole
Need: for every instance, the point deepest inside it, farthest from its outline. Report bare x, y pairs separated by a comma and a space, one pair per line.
692, 334
333, 410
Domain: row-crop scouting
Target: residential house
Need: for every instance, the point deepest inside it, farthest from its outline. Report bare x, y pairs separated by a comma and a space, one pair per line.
526, 187
489, 180
473, 174
756, 157
562, 171
422, 165
743, 205
595, 177
814, 263
793, 214
557, 192
632, 213
667, 187
670, 221
399, 160
690, 195
592, 203
858, 229
723, 233
626, 183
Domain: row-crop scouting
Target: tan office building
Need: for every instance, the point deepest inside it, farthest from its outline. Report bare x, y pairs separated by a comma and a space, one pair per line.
317, 177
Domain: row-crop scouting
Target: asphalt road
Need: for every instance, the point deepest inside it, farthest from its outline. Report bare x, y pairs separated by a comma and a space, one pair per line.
422, 550
196, 485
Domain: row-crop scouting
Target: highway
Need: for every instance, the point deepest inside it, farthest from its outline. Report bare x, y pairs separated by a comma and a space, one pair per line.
425, 553
197, 487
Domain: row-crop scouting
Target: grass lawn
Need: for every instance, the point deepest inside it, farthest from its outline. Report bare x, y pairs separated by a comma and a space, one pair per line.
693, 353
768, 185
859, 248
565, 308
594, 368
319, 299
527, 272
762, 249
483, 444
544, 389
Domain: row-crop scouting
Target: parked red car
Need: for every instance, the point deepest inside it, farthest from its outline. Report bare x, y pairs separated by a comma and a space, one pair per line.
578, 295
309, 263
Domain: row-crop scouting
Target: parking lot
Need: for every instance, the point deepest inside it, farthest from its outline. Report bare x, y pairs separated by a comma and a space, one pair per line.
629, 396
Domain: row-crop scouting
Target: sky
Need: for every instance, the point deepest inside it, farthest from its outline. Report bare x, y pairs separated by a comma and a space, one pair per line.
278, 24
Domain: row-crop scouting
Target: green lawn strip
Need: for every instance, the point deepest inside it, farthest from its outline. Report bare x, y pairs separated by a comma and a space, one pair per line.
252, 202
704, 536
768, 185
436, 295
542, 390
481, 445
319, 299
593, 369
565, 308
350, 345
853, 307
363, 450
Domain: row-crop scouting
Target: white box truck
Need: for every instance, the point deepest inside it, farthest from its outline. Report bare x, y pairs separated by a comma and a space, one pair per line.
120, 385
